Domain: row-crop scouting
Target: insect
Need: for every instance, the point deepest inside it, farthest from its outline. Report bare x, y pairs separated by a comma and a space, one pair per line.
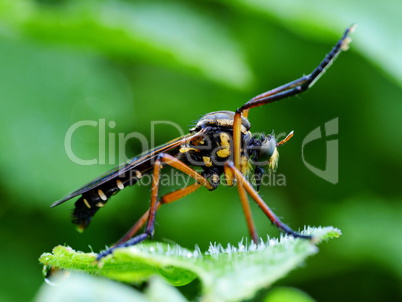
220, 144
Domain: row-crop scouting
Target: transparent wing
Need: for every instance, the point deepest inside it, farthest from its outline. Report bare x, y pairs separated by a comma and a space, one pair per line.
124, 168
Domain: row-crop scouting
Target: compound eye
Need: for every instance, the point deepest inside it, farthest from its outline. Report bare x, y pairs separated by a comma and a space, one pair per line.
267, 148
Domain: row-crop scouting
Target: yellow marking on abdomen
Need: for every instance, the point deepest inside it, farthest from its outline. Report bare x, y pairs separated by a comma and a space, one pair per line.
138, 174
119, 184
86, 203
102, 195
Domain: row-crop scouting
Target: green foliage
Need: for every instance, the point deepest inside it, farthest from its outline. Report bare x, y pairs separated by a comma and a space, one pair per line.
129, 31
80, 287
135, 62
287, 294
227, 274
322, 18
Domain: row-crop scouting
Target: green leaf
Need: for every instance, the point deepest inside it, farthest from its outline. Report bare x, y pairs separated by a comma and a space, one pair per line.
226, 274
159, 291
287, 294
81, 287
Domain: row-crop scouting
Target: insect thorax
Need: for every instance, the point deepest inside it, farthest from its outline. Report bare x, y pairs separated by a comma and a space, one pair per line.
215, 147
220, 119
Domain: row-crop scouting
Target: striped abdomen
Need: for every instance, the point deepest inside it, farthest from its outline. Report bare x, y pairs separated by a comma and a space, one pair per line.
90, 202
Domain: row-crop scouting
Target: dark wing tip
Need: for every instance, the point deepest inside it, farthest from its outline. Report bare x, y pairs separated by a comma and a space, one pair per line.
68, 197
58, 202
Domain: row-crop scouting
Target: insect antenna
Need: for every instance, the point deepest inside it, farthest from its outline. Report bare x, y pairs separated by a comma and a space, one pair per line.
288, 137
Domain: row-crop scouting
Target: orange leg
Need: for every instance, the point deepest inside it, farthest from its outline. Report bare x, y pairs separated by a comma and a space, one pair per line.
242, 181
149, 229
247, 213
168, 198
245, 205
237, 139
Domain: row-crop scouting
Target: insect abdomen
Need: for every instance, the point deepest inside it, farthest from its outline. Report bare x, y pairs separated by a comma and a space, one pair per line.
90, 202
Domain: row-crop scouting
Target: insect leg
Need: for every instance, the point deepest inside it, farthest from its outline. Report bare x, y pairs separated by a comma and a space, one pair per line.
302, 84
149, 229
151, 216
236, 139
168, 198
292, 88
246, 209
242, 181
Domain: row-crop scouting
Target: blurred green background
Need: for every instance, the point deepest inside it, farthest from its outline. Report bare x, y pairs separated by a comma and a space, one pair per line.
134, 62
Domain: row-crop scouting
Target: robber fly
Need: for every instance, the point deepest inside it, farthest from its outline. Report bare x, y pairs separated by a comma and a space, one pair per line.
220, 144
